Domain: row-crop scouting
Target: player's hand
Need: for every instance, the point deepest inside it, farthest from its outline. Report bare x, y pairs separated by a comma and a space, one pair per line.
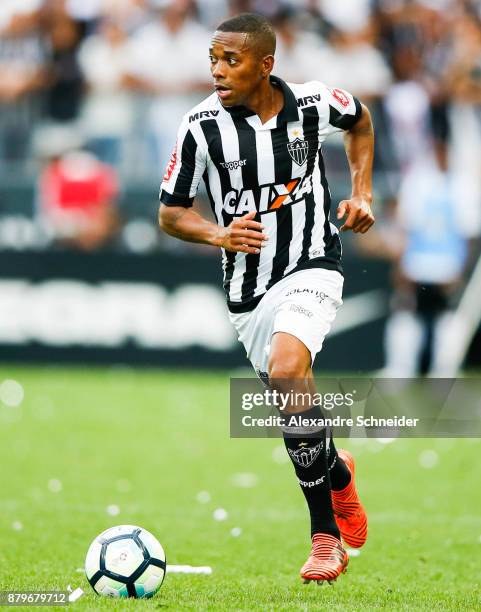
359, 215
243, 235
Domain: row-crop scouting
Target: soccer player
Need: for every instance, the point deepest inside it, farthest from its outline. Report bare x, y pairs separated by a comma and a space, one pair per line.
256, 142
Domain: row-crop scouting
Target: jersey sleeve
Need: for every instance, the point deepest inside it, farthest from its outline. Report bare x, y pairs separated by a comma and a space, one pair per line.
344, 109
184, 170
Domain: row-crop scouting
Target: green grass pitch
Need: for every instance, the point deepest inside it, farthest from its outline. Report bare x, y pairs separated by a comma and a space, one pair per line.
149, 441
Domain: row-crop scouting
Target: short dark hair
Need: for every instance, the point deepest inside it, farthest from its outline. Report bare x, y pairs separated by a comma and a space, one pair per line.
256, 26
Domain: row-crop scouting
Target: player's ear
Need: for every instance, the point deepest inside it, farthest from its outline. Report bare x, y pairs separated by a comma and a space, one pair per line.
267, 65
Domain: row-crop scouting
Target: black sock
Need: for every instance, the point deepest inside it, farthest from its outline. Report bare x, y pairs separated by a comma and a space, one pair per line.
307, 450
338, 473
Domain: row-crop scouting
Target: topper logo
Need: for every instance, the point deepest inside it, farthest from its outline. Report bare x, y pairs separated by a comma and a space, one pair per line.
233, 165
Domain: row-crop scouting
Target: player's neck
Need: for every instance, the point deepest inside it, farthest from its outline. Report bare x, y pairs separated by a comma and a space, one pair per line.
267, 101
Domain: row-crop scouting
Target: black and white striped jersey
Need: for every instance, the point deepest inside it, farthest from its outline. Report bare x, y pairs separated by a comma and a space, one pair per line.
276, 169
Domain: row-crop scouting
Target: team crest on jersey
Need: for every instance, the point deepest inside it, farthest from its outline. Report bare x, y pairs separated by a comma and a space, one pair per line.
305, 456
298, 150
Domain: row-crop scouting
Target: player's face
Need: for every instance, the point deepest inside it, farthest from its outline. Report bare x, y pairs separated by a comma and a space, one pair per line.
236, 67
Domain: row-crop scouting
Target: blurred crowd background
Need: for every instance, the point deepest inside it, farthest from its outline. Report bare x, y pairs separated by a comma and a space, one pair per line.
92, 92
109, 80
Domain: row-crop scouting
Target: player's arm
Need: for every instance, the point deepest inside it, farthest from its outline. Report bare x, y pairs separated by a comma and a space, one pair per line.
242, 235
179, 187
359, 145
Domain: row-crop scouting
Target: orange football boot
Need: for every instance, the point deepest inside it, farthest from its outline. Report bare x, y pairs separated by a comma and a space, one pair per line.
348, 511
327, 560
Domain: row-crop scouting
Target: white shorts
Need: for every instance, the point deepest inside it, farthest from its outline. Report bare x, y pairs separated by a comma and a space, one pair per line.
303, 304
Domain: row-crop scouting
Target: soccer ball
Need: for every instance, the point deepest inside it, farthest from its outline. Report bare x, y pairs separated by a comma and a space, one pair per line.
125, 561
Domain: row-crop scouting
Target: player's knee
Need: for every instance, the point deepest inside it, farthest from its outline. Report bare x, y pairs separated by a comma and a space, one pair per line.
289, 375
288, 368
